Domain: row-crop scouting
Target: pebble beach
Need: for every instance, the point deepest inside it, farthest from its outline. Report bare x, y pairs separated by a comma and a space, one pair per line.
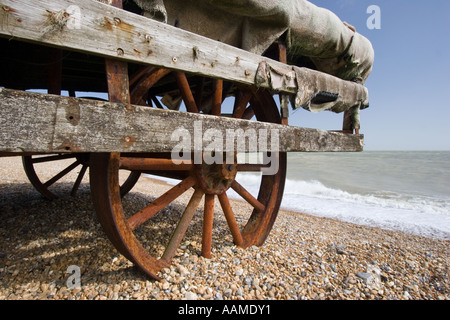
304, 258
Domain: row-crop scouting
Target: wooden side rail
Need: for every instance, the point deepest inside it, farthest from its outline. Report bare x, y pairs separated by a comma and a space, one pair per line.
42, 123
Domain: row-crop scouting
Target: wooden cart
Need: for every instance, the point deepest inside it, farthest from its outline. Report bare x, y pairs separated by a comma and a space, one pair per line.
138, 62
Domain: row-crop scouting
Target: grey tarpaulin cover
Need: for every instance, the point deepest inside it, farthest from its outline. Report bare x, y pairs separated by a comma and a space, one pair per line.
315, 33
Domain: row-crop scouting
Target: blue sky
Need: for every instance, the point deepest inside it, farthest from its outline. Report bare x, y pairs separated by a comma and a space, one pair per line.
410, 84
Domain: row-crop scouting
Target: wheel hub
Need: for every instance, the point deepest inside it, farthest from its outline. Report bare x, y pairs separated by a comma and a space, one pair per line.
215, 178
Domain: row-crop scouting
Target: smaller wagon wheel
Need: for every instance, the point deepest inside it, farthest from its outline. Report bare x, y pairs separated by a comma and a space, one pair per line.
80, 161
131, 232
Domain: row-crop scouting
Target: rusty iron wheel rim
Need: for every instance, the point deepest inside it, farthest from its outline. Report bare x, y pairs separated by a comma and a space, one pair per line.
120, 227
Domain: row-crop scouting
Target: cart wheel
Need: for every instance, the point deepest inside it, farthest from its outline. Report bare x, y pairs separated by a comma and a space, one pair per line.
34, 164
125, 229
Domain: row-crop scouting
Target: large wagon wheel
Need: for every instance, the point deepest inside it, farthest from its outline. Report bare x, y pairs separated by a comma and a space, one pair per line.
79, 161
206, 180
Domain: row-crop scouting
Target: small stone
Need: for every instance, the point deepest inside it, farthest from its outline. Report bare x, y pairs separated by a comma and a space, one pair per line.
406, 295
340, 249
190, 296
165, 285
248, 281
239, 272
371, 278
183, 271
364, 275
227, 293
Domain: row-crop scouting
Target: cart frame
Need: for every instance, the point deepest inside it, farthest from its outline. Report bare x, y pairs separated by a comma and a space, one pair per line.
36, 123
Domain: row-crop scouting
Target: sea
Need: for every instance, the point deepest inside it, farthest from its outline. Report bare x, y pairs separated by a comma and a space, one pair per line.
405, 191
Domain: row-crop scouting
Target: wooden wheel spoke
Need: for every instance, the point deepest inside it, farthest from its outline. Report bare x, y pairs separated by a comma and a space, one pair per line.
186, 92
217, 98
199, 92
53, 158
231, 220
182, 226
156, 102
141, 88
79, 179
151, 164
248, 113
62, 174
241, 104
158, 204
247, 196
144, 71
208, 220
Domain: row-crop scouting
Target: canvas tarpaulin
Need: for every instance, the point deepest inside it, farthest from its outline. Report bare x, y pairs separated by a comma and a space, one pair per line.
333, 46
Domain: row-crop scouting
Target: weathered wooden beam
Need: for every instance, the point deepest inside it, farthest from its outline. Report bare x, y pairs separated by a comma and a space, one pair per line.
42, 123
93, 27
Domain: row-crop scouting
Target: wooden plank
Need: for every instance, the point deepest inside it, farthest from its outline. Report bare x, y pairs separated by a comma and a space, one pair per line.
41, 123
93, 27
